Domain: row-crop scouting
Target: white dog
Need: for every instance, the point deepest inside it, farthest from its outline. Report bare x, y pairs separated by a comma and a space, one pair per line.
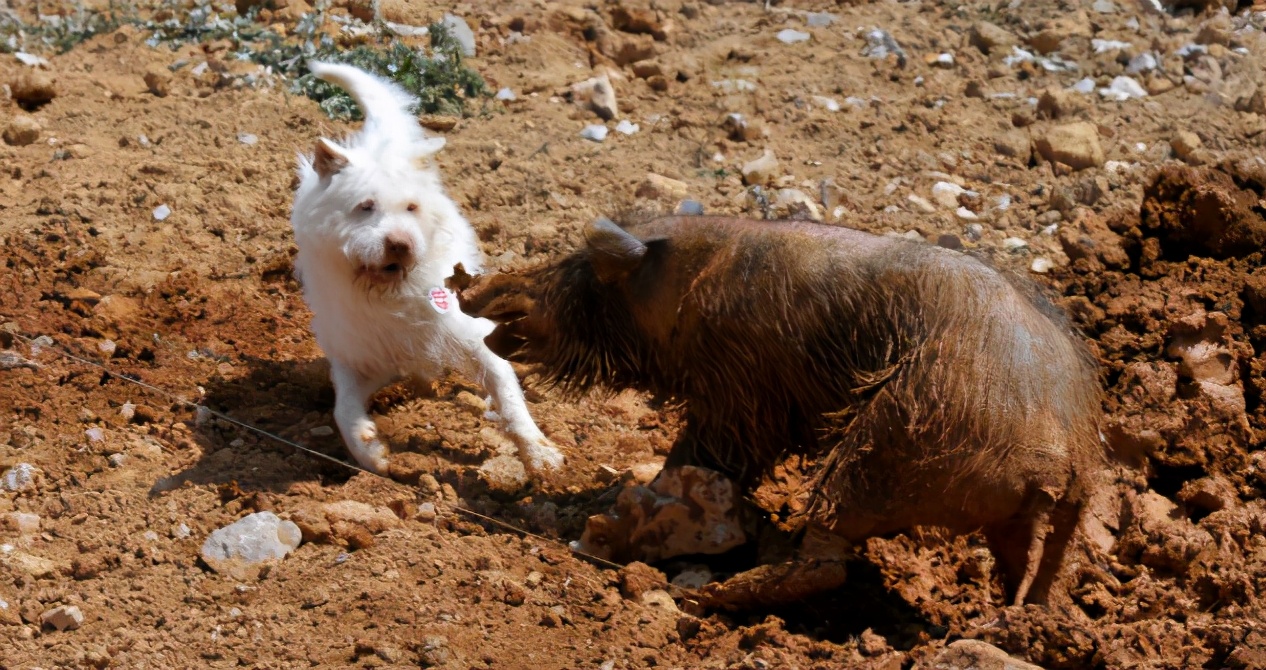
377, 236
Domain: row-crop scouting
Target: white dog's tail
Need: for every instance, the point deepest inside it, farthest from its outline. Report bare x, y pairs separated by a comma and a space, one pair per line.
383, 102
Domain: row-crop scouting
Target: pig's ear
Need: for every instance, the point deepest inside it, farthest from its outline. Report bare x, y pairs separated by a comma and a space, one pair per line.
328, 158
613, 252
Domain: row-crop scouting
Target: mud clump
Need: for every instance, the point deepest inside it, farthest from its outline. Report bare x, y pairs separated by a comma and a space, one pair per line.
1202, 212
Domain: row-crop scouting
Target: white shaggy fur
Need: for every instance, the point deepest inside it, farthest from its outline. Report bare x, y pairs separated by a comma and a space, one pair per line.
376, 233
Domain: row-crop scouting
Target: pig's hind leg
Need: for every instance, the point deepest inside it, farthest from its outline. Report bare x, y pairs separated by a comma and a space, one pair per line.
1030, 546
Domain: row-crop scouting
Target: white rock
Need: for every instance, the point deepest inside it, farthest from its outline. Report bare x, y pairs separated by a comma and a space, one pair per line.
974, 231
66, 617
945, 60
127, 411
1144, 62
321, 431
1104, 6
1014, 244
597, 94
921, 203
1086, 86
1041, 265
790, 36
946, 194
181, 532
966, 214
595, 132
506, 94
30, 59
693, 577
24, 522
241, 548
161, 212
734, 85
406, 30
880, 43
761, 170
461, 32
1004, 202
117, 460
1104, 46
793, 200
830, 104
625, 127
819, 19
19, 477
95, 434
248, 139
107, 347
1123, 88
1050, 230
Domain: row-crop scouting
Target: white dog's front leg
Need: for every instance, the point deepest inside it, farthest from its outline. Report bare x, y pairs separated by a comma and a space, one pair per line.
351, 412
497, 376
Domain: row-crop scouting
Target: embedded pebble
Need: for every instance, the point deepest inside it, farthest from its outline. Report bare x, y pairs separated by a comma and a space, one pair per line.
242, 547
1086, 86
24, 523
117, 460
946, 194
625, 127
594, 132
95, 434
830, 104
19, 477
974, 231
248, 139
321, 431
1104, 46
597, 94
921, 203
966, 214
161, 212
1144, 62
1014, 244
790, 36
426, 511
1041, 265
127, 411
506, 94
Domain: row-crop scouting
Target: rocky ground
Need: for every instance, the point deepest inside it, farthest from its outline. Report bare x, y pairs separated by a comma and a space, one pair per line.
1112, 149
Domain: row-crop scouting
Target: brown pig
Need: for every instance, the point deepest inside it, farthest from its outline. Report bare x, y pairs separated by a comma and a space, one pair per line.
930, 388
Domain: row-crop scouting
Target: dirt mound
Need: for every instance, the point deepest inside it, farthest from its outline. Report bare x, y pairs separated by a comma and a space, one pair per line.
1190, 211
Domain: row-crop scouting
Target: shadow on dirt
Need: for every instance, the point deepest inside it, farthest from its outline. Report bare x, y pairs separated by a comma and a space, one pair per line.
290, 399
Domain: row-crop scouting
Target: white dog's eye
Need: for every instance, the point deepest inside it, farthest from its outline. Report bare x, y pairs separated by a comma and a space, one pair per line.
367, 206
413, 207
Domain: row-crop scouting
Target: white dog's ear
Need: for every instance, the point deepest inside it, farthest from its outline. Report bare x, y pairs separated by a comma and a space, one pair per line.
328, 158
424, 150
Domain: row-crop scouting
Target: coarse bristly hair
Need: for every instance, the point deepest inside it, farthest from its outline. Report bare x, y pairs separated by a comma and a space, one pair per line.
901, 367
377, 235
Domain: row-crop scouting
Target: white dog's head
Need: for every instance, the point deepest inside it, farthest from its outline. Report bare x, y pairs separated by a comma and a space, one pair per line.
373, 203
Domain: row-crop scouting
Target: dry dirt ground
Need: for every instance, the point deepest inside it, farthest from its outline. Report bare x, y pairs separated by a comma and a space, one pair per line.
1145, 214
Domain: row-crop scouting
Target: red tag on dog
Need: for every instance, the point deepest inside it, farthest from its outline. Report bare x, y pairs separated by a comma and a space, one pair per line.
441, 299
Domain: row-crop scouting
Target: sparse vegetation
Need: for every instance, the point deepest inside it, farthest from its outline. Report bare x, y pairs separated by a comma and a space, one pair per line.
440, 79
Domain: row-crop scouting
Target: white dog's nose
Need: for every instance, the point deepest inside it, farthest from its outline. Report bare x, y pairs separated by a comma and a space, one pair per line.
397, 252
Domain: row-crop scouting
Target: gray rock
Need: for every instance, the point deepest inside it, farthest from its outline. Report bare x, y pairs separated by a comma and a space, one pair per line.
690, 208
241, 548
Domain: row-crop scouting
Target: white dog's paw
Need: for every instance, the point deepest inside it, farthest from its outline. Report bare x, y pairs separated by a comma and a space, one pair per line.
370, 453
539, 454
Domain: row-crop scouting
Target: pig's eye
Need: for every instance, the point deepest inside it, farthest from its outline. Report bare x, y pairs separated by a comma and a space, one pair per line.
413, 207
367, 206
